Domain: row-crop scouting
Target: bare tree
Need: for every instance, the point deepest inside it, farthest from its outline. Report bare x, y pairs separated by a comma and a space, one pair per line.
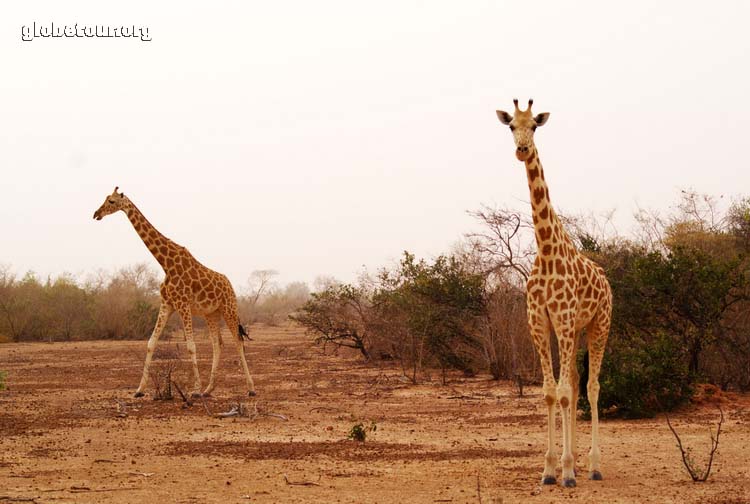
258, 283
506, 243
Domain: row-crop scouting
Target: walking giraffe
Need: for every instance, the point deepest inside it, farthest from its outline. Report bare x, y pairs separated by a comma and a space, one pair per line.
567, 292
189, 288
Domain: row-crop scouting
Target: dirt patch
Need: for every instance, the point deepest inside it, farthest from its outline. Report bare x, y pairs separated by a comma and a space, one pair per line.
71, 431
351, 451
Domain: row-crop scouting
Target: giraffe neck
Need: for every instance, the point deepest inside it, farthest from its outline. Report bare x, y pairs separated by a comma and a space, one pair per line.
547, 227
157, 243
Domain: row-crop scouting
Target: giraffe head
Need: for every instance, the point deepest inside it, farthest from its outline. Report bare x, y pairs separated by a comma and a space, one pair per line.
523, 124
112, 203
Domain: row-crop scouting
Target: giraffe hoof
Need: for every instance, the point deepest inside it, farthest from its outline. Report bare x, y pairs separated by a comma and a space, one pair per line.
569, 482
549, 480
139, 394
251, 393
596, 476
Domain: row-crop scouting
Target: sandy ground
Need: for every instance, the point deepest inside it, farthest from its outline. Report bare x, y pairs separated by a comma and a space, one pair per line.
64, 438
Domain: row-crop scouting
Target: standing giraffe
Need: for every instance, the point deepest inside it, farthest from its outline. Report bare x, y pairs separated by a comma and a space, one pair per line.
189, 288
567, 292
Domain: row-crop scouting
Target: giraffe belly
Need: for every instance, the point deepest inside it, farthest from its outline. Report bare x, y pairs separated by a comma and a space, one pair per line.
204, 308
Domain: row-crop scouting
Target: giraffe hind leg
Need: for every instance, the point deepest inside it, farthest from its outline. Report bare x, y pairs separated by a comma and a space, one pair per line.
597, 332
233, 324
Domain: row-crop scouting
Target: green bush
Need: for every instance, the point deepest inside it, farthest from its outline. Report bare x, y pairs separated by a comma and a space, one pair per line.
640, 378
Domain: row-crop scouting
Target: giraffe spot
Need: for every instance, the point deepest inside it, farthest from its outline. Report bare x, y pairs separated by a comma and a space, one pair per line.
531, 158
544, 267
163, 249
547, 249
534, 218
544, 213
559, 284
589, 291
533, 174
553, 306
560, 267
563, 305
538, 195
545, 233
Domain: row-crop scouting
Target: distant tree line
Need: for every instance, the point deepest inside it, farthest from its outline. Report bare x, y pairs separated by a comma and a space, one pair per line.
119, 305
681, 287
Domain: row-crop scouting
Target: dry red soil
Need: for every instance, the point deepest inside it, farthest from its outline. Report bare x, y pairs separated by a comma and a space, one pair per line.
71, 431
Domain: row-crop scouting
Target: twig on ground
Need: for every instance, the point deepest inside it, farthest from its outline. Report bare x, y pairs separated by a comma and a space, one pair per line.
205, 406
301, 483
240, 410
82, 489
464, 397
121, 408
144, 474
108, 461
10, 498
687, 460
185, 398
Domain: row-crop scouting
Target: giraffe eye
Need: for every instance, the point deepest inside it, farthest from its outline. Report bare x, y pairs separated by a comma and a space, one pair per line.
111, 202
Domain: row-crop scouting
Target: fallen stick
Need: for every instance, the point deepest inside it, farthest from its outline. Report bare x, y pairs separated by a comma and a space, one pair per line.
300, 483
75, 489
184, 397
9, 498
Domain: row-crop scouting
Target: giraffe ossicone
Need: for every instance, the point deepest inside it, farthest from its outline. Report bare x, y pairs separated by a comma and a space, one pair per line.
190, 289
567, 292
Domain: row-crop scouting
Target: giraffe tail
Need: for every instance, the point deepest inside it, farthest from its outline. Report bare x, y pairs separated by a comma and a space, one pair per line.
243, 333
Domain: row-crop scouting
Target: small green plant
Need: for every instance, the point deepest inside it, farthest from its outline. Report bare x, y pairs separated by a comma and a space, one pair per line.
359, 432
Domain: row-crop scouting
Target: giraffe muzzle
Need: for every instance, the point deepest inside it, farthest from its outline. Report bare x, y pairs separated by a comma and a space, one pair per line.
522, 153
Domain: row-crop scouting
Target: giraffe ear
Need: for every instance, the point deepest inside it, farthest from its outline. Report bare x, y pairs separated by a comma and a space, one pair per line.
540, 119
504, 117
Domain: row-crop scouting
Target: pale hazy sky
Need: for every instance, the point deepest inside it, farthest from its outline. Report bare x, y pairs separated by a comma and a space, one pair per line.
315, 137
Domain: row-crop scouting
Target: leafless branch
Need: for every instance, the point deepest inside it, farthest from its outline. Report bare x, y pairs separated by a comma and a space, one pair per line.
695, 472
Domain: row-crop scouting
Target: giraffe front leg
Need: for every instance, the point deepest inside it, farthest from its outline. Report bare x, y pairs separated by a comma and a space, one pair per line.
550, 458
574, 383
214, 329
564, 396
187, 323
540, 333
164, 312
